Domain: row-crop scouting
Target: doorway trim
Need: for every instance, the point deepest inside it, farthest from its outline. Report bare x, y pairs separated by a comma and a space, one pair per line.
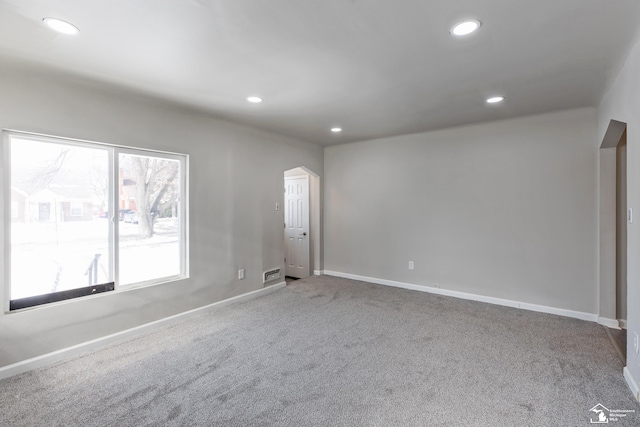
315, 221
607, 224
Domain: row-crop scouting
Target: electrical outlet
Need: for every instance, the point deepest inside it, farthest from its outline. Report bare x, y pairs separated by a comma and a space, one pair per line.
241, 274
411, 265
636, 344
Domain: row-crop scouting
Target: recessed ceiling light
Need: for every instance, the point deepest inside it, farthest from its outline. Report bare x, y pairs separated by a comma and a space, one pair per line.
495, 99
254, 99
465, 28
61, 26
336, 130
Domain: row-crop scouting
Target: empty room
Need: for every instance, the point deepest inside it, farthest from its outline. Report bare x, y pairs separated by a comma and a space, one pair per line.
320, 213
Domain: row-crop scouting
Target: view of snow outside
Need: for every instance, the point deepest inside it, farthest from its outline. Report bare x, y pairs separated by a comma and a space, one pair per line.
55, 257
60, 223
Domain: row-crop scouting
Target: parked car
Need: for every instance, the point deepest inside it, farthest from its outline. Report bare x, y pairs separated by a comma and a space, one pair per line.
131, 217
122, 213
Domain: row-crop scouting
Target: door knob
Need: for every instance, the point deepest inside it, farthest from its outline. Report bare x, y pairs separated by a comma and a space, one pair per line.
304, 234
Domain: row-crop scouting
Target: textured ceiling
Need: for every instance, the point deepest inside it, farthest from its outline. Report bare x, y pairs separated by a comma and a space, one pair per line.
374, 67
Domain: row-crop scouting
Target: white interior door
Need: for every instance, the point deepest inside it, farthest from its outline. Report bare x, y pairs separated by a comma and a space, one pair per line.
296, 226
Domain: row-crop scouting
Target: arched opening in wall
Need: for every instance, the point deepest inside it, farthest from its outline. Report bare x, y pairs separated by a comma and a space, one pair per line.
301, 223
614, 219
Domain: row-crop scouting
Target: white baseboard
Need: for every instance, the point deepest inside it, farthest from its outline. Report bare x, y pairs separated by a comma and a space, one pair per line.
623, 323
633, 385
473, 297
609, 323
317, 272
49, 358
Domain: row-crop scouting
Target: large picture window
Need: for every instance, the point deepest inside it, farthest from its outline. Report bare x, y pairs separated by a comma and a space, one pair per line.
87, 218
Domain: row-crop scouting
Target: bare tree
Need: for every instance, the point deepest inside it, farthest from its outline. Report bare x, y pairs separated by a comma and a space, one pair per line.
99, 182
156, 188
43, 175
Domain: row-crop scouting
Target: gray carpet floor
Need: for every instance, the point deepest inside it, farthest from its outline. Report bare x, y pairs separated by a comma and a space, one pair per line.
334, 352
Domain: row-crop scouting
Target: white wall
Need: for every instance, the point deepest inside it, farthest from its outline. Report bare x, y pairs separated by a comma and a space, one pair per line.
505, 209
236, 176
622, 103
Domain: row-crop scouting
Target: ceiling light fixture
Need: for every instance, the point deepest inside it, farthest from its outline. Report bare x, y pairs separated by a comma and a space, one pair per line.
465, 28
336, 130
61, 26
254, 99
495, 99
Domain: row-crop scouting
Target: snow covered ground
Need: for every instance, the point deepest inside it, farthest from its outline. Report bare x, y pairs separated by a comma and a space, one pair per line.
47, 257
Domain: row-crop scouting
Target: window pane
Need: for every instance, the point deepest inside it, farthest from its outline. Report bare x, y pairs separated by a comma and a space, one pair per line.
76, 208
149, 201
57, 240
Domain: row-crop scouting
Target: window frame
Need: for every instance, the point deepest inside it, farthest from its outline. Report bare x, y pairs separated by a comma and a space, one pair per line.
114, 151
182, 214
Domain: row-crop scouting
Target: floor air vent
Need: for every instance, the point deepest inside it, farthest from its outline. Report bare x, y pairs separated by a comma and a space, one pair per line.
271, 275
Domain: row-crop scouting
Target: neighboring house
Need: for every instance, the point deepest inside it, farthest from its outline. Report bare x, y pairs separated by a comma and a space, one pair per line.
67, 203
44, 206
127, 192
18, 204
